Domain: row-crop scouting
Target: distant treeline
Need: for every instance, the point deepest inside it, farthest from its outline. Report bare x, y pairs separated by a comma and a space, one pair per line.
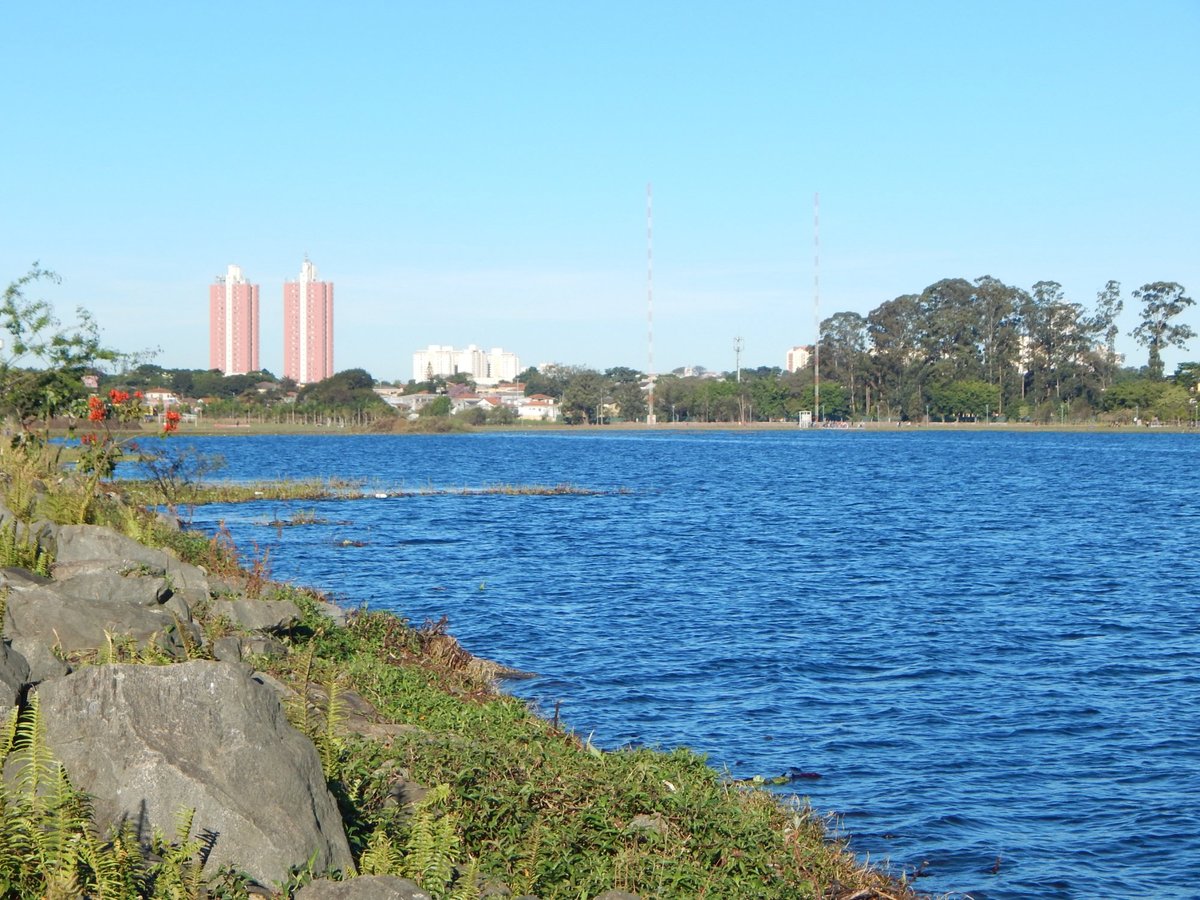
958, 350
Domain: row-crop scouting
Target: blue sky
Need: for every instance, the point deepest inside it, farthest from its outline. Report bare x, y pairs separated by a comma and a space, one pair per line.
475, 172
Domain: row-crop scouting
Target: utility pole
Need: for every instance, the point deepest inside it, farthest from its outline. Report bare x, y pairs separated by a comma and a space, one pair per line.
737, 352
650, 417
817, 306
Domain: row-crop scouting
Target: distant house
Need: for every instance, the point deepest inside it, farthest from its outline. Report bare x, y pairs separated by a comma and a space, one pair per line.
412, 403
390, 395
463, 401
160, 398
539, 408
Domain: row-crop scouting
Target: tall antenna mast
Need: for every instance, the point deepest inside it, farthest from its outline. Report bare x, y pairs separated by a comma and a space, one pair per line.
817, 306
737, 357
651, 418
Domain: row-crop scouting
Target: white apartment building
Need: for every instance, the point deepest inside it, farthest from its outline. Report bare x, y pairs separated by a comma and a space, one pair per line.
798, 358
484, 367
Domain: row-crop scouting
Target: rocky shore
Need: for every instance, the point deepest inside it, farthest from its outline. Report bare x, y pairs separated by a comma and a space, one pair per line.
204, 737
209, 716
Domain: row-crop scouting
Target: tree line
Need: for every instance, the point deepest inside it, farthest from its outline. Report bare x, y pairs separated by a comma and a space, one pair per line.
980, 350
985, 348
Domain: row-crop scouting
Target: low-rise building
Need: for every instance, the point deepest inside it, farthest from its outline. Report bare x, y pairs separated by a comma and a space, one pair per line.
160, 398
539, 408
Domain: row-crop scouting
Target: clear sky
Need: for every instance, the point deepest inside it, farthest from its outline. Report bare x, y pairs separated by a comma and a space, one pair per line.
475, 172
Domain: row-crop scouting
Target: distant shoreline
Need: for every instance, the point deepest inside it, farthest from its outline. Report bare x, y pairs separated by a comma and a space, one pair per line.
243, 428
240, 427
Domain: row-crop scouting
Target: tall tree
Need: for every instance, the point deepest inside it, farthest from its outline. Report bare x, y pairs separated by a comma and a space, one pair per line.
1104, 323
895, 330
843, 346
1058, 339
630, 400
583, 397
1161, 301
999, 341
951, 331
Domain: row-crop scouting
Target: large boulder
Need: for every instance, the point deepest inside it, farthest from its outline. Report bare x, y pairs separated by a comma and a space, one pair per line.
45, 617
90, 548
368, 887
149, 741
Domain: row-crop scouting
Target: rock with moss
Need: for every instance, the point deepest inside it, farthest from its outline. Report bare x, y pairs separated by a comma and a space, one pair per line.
146, 742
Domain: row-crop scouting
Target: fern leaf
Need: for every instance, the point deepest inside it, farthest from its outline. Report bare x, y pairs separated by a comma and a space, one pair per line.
382, 856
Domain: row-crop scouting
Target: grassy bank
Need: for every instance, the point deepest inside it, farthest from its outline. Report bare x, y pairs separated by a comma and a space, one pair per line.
443, 778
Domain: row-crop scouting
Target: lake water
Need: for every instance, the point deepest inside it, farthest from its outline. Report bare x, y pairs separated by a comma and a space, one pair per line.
986, 644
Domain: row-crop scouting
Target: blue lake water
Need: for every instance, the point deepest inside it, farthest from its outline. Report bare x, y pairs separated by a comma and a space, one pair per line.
986, 644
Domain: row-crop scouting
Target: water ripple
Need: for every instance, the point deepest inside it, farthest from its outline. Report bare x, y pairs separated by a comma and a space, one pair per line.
985, 643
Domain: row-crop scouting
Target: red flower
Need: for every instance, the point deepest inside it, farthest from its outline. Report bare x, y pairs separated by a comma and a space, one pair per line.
88, 440
96, 410
138, 394
171, 420
118, 396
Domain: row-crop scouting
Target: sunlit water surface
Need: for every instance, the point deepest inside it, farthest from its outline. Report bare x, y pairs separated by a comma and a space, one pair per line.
984, 643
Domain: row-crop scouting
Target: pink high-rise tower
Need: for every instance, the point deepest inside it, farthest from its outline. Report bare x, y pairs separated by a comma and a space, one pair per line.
233, 324
307, 327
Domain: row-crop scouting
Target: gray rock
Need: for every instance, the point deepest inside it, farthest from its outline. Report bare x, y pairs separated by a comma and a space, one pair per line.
42, 662
14, 675
616, 895
149, 741
42, 531
367, 887
264, 646
333, 612
169, 521
41, 615
134, 588
106, 548
649, 824
227, 649
257, 615
38, 653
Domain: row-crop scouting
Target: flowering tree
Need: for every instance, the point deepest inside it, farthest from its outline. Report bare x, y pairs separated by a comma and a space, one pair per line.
102, 448
42, 360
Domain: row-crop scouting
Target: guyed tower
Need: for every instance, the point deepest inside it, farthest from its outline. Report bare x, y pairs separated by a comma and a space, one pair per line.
651, 418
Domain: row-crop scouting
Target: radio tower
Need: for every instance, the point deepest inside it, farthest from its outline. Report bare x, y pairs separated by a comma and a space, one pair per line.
817, 306
650, 417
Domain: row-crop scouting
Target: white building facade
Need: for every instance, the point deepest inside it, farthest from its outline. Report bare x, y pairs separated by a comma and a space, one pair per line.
798, 358
484, 367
